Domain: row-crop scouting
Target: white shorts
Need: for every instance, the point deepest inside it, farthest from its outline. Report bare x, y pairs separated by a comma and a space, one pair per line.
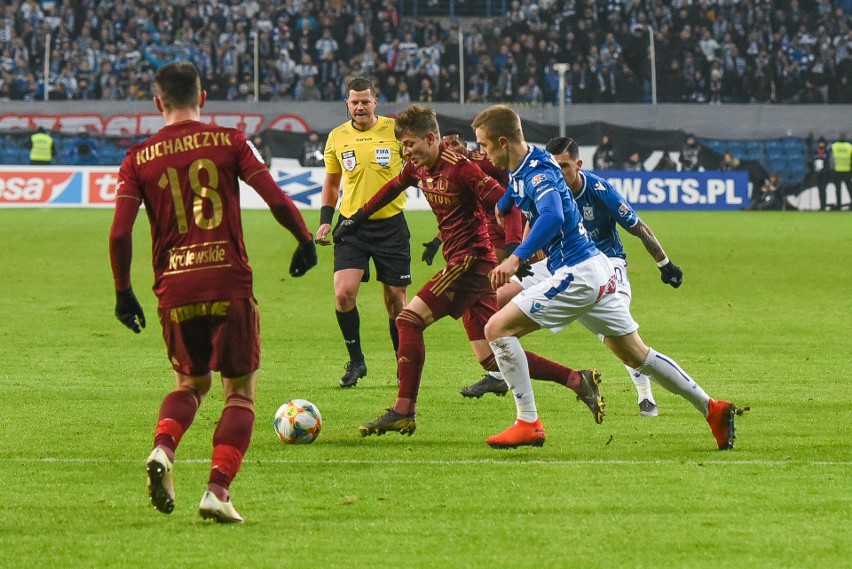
587, 292
541, 272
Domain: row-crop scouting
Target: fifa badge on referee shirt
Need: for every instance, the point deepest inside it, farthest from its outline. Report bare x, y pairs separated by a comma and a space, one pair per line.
383, 156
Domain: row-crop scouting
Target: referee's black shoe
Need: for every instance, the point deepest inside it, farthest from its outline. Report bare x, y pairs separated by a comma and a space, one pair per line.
354, 372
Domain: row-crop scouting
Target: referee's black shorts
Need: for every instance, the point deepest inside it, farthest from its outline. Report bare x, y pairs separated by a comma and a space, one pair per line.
387, 241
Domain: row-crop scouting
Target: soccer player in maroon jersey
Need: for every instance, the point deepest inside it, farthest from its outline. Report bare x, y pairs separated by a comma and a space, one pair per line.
187, 175
459, 194
453, 140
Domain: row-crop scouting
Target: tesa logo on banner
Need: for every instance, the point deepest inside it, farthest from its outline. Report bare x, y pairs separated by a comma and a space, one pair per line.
102, 187
35, 187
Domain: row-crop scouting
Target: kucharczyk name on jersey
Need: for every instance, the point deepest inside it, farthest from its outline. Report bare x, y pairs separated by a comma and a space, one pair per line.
182, 144
700, 189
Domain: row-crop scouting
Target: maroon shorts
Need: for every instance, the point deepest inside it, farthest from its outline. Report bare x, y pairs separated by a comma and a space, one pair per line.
463, 290
221, 336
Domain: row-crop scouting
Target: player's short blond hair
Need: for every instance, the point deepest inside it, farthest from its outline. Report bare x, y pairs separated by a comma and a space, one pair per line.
498, 121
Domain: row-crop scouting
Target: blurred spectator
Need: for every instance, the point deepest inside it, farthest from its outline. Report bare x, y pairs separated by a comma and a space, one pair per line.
819, 168
634, 163
604, 157
841, 164
729, 162
312, 150
772, 195
85, 150
666, 164
307, 90
41, 147
689, 155
263, 149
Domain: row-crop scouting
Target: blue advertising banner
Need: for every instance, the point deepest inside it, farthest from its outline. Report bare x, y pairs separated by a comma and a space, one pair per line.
681, 190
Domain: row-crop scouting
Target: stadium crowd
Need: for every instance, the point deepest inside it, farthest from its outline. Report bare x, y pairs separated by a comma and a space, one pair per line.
795, 51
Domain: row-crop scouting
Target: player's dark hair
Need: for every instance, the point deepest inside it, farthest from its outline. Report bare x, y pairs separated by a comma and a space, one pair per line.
563, 144
416, 119
453, 132
360, 84
178, 85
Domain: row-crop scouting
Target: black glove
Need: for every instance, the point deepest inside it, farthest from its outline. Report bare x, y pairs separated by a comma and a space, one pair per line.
128, 310
304, 258
509, 248
349, 226
671, 274
524, 270
430, 250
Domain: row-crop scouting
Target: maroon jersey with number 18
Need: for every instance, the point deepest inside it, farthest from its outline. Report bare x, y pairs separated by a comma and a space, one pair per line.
187, 175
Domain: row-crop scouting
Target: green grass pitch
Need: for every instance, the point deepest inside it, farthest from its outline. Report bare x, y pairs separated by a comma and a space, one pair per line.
763, 318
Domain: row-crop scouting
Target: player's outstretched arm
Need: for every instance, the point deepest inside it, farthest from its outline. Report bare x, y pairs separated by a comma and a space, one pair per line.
670, 273
288, 215
383, 197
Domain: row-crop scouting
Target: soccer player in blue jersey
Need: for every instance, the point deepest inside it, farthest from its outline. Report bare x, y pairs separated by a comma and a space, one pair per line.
582, 286
602, 209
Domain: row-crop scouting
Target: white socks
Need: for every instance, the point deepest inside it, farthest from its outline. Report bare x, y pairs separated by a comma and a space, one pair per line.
669, 374
642, 383
516, 372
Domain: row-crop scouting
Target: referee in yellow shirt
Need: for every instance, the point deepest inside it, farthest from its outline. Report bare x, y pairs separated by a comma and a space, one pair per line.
364, 153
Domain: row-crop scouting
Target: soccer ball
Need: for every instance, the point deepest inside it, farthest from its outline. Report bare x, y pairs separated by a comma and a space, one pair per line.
298, 422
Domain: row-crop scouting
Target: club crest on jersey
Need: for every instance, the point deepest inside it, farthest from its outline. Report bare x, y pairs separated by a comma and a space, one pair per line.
383, 156
433, 185
537, 179
349, 160
588, 212
622, 211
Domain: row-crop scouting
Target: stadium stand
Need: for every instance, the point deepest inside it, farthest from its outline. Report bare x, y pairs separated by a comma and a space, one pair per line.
751, 51
747, 51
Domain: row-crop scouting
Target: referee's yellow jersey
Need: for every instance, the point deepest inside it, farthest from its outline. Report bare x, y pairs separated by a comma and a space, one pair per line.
368, 160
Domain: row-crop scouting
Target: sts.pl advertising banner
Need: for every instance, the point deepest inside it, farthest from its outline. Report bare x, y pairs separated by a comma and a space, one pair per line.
55, 186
